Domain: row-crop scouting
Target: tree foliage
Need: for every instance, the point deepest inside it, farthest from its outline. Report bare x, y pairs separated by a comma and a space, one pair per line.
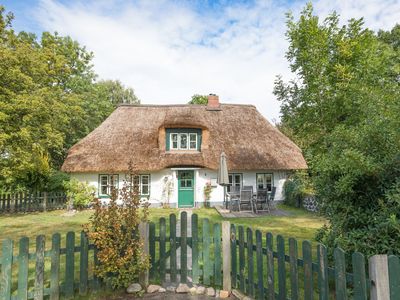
199, 99
343, 109
296, 187
114, 231
49, 100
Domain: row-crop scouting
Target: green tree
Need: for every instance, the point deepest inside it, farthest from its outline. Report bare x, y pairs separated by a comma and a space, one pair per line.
343, 109
199, 99
49, 100
116, 92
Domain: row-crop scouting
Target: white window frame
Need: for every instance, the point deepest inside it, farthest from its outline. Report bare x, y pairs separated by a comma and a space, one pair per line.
141, 184
265, 181
195, 140
180, 141
112, 182
234, 183
179, 136
172, 143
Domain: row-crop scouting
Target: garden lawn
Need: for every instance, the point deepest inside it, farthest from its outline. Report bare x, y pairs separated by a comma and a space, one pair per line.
300, 224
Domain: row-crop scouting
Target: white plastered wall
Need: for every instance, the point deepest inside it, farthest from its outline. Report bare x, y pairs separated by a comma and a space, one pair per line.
202, 176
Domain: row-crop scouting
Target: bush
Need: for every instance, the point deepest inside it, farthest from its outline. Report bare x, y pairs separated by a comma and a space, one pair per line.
80, 194
113, 229
56, 181
296, 187
207, 194
359, 189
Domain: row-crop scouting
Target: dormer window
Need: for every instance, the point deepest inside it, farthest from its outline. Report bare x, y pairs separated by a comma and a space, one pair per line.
183, 139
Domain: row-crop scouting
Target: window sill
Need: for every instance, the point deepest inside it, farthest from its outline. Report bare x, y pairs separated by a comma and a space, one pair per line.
108, 197
182, 151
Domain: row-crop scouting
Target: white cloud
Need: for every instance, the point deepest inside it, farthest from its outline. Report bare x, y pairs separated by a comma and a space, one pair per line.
167, 51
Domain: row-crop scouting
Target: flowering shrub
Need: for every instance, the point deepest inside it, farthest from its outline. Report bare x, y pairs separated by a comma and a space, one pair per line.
207, 193
113, 229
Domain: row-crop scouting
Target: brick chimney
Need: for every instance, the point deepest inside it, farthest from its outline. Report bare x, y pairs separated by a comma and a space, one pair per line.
213, 102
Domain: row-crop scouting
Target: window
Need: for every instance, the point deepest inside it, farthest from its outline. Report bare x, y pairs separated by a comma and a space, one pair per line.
192, 141
183, 139
143, 181
144, 186
174, 141
107, 182
186, 180
235, 180
265, 181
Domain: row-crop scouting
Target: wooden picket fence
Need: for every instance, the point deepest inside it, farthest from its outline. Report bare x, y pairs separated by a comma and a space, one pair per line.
262, 266
53, 273
223, 255
31, 202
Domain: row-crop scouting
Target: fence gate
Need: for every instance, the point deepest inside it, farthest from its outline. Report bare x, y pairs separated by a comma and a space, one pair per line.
187, 254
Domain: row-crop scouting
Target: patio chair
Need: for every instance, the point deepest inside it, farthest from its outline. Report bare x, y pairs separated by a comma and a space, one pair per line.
272, 197
261, 201
246, 198
233, 197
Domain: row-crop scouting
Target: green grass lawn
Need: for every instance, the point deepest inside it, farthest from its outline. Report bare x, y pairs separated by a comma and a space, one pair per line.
300, 224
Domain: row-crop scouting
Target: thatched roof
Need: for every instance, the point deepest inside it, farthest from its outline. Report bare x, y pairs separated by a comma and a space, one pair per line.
136, 133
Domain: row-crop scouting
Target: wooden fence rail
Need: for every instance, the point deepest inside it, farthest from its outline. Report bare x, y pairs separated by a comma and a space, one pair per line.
261, 266
30, 202
47, 272
226, 257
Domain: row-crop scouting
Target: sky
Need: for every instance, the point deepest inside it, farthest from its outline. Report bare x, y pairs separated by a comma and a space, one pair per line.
169, 50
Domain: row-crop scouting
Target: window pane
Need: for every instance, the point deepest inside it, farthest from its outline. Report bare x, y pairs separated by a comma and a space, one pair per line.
268, 181
183, 141
188, 183
114, 180
145, 179
193, 141
136, 180
183, 183
103, 184
174, 140
145, 189
260, 181
237, 179
103, 190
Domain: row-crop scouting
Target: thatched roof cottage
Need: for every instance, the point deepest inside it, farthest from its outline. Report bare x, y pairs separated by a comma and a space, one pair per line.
176, 150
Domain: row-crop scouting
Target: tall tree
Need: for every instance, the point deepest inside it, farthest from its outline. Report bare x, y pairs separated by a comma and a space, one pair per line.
343, 108
48, 101
116, 92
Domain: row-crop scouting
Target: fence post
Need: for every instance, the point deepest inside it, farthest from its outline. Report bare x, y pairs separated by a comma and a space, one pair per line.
144, 235
379, 276
226, 256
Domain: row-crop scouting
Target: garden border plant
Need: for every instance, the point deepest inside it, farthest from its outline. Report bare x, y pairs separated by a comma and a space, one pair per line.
113, 228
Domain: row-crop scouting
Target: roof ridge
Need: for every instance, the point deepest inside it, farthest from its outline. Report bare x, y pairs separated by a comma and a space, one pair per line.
180, 105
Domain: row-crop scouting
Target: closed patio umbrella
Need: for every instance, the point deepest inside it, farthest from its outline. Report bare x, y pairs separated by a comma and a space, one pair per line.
223, 178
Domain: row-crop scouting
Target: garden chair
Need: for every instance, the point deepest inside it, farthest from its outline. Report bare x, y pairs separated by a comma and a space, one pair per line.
272, 197
246, 198
261, 201
233, 197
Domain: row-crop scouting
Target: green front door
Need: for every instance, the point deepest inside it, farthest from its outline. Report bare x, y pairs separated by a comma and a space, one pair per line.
185, 188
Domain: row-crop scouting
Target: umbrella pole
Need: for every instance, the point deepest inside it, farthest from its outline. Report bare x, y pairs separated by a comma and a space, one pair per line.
225, 200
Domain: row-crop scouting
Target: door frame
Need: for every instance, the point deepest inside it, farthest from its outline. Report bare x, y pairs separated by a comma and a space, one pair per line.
194, 188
